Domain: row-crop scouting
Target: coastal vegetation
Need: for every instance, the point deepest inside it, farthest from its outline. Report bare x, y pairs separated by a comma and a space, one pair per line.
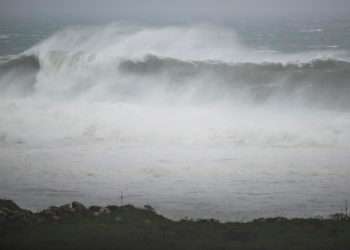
75, 226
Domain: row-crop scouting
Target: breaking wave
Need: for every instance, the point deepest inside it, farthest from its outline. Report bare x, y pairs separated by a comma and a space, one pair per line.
195, 82
317, 83
18, 74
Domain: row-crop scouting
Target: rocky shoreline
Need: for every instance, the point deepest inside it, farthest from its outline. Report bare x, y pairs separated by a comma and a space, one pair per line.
75, 226
11, 213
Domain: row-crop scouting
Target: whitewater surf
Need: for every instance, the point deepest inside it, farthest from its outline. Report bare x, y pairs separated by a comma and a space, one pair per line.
188, 119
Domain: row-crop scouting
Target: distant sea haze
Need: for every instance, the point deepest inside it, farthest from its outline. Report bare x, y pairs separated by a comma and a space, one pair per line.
197, 120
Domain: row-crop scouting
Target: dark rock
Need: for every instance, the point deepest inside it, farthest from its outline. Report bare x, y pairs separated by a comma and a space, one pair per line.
271, 220
78, 207
54, 209
56, 218
97, 211
2, 217
113, 208
10, 205
62, 211
67, 208
2, 213
6, 212
339, 217
128, 207
149, 208
51, 211
17, 216
10, 212
95, 208
105, 210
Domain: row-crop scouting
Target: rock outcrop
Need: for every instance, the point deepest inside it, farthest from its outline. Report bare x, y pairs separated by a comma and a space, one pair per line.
10, 212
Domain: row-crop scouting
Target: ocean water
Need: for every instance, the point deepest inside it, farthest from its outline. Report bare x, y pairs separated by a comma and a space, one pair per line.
233, 122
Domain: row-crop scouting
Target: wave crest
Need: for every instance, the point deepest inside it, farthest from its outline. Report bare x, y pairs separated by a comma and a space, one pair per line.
18, 74
205, 65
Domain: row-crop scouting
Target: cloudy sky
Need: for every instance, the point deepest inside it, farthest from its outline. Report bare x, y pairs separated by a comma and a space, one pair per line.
170, 10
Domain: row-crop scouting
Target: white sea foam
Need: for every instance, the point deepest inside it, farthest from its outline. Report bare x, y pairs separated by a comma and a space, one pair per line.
114, 78
176, 105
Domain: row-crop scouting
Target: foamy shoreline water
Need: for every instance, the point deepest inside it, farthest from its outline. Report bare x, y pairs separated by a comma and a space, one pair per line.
218, 181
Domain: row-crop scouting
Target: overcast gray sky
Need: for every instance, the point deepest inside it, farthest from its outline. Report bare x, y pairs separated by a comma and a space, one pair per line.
167, 10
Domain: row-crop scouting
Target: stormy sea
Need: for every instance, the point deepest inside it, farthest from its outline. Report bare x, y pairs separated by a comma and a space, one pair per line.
226, 121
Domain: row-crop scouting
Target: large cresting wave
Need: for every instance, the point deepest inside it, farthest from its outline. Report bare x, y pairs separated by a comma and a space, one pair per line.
184, 83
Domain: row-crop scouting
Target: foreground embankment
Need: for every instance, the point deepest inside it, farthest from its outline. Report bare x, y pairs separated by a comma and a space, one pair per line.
75, 226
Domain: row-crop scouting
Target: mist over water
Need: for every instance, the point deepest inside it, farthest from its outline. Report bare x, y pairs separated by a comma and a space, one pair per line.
189, 119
